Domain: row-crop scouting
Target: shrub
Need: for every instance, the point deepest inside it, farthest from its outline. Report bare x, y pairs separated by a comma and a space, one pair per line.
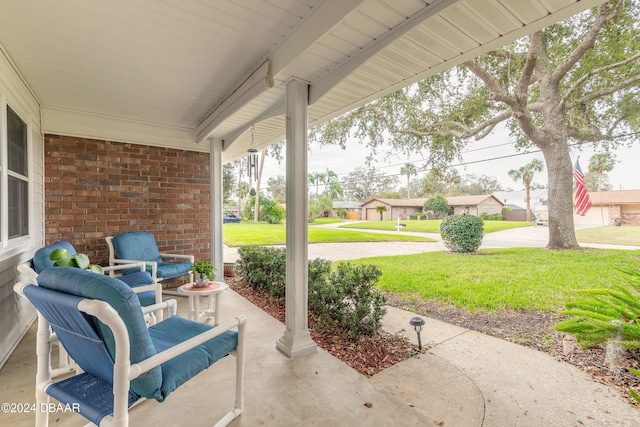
462, 233
348, 300
263, 268
436, 204
269, 210
345, 298
491, 217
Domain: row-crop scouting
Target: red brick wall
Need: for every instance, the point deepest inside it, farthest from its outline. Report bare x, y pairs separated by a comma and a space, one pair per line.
99, 188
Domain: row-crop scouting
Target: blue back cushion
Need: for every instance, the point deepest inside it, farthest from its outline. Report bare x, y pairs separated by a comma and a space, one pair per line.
41, 260
120, 296
137, 245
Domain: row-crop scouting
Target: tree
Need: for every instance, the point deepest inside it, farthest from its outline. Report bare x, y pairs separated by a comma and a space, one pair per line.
277, 187
575, 81
599, 165
364, 183
436, 204
380, 209
332, 187
228, 181
316, 178
475, 185
525, 173
408, 169
440, 180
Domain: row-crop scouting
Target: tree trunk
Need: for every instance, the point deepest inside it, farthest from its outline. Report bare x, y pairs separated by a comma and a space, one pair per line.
560, 170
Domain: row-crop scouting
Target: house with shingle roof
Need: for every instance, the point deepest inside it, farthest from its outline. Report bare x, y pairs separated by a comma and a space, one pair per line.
404, 208
612, 208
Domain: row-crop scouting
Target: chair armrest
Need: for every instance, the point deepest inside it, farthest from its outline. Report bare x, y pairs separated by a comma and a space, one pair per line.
114, 268
25, 268
170, 304
139, 368
191, 258
153, 264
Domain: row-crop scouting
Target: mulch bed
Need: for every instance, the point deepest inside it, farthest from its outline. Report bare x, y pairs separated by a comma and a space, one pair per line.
367, 355
370, 355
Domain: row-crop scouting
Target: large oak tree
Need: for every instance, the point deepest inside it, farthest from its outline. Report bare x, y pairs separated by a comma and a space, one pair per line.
574, 82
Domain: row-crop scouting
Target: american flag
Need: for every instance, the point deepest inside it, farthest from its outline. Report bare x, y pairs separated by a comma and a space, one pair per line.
582, 202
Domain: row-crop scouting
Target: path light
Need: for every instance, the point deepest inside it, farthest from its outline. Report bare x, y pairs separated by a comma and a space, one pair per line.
417, 323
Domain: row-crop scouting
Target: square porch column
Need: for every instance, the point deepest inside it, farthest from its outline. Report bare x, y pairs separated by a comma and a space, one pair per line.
296, 340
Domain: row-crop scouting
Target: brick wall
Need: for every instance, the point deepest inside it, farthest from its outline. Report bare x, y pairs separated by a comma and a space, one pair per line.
98, 188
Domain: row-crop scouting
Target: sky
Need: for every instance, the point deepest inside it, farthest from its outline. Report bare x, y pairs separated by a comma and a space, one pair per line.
493, 156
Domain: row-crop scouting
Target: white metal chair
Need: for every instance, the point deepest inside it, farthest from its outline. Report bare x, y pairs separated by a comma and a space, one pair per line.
99, 321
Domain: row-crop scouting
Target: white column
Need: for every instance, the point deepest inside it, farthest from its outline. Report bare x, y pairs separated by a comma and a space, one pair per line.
296, 340
216, 197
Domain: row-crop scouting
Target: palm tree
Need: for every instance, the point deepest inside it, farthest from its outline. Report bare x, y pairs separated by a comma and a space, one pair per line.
316, 178
599, 164
525, 173
380, 209
408, 169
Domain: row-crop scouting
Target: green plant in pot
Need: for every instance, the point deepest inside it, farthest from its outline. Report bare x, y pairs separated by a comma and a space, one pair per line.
203, 272
63, 258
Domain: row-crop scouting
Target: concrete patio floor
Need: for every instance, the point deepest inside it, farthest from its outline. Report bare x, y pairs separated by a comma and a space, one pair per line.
465, 379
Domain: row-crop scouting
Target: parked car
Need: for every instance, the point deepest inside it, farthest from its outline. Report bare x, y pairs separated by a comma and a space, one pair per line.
229, 217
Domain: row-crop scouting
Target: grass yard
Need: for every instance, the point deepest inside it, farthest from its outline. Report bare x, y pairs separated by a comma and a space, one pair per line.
624, 235
249, 233
431, 226
502, 279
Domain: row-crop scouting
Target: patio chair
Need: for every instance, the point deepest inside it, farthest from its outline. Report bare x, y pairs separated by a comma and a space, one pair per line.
148, 292
139, 246
99, 321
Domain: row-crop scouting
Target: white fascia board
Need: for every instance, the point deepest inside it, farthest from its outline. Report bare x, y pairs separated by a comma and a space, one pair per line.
80, 124
325, 17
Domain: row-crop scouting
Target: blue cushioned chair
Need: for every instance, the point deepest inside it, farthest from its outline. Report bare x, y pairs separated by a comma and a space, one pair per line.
99, 321
148, 292
143, 284
139, 246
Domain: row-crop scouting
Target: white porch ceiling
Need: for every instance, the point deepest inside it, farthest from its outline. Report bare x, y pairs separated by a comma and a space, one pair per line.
175, 69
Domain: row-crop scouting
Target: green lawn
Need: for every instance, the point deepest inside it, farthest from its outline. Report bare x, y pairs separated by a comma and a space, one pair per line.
431, 226
502, 279
624, 235
247, 233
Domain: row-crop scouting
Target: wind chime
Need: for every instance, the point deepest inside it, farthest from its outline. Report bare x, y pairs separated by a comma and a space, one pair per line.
252, 162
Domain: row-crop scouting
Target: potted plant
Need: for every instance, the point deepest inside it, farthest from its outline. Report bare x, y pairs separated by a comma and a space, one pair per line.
202, 271
63, 258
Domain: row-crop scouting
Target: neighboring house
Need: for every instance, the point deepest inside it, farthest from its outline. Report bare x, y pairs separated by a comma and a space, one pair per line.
609, 206
518, 198
404, 208
353, 209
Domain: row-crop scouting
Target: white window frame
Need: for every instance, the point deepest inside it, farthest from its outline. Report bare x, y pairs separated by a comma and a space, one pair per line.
12, 246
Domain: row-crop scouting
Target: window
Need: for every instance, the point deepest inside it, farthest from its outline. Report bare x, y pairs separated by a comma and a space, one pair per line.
14, 169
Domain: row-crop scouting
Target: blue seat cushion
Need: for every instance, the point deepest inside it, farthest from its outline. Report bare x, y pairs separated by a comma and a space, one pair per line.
41, 260
167, 270
141, 278
178, 370
121, 297
137, 245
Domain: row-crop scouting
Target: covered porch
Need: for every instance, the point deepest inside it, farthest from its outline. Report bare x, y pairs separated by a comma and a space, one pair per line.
465, 379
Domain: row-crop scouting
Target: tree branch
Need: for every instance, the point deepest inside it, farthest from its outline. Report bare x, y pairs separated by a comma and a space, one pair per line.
498, 93
602, 17
597, 71
604, 92
535, 43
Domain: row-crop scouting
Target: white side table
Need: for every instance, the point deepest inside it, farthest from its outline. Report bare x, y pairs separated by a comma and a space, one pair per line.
213, 291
